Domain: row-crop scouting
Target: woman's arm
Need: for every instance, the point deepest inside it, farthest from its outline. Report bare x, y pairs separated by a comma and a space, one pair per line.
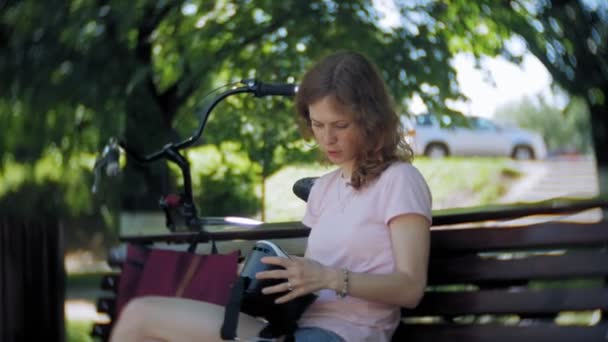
410, 237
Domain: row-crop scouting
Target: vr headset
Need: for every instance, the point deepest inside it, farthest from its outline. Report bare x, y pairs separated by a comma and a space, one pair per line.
246, 296
253, 265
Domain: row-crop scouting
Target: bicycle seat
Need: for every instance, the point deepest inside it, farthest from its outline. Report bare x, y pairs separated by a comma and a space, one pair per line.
302, 186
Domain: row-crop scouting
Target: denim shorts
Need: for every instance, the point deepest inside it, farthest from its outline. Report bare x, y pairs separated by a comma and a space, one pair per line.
314, 334
305, 334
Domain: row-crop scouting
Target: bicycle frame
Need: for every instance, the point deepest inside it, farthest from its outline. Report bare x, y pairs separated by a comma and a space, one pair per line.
171, 153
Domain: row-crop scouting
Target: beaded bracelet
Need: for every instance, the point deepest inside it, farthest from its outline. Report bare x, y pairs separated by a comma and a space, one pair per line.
344, 291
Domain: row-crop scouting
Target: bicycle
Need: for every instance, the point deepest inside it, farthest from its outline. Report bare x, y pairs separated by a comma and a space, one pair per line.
184, 203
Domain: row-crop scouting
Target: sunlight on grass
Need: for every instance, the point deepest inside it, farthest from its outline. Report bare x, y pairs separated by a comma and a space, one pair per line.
78, 330
466, 182
579, 318
281, 203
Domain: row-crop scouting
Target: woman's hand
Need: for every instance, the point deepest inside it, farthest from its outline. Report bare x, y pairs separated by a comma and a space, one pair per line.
302, 276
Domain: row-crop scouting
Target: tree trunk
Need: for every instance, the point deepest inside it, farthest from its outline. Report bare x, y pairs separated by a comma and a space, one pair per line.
263, 204
145, 132
599, 124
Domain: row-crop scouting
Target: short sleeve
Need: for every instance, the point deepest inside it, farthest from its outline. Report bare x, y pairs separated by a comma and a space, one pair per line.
405, 192
313, 205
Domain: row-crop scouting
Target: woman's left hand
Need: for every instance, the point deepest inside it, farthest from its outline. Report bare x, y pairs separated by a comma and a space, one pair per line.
302, 276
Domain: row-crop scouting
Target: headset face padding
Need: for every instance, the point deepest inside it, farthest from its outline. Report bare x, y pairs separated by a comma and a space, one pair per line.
253, 265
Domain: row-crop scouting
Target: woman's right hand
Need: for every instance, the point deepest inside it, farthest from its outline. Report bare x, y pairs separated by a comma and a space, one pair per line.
302, 276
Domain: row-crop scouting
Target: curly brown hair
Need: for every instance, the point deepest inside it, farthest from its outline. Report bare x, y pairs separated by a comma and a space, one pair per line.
355, 83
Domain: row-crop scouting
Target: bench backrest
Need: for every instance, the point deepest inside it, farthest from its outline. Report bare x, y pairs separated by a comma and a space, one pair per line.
532, 283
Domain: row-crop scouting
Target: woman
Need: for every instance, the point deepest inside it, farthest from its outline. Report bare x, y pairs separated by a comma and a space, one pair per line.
368, 249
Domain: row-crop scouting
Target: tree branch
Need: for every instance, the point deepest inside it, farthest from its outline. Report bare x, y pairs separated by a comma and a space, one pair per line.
225, 50
175, 95
143, 51
151, 19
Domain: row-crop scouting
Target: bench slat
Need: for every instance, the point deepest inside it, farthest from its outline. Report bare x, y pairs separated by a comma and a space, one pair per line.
109, 282
544, 235
101, 330
472, 268
504, 302
106, 305
500, 333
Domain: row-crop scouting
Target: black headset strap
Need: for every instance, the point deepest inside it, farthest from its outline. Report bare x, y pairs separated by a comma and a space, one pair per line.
201, 237
231, 313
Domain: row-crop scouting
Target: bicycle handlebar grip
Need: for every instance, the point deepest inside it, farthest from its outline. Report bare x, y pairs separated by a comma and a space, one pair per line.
113, 166
281, 89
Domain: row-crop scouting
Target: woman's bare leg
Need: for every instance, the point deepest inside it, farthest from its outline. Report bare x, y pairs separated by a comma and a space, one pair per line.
177, 319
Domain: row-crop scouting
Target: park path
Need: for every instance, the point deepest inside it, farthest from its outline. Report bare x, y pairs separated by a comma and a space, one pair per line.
555, 178
576, 178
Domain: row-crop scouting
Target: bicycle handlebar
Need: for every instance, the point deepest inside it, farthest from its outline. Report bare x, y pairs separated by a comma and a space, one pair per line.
258, 89
284, 89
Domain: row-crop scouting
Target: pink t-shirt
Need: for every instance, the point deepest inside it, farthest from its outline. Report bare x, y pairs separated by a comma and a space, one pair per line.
350, 229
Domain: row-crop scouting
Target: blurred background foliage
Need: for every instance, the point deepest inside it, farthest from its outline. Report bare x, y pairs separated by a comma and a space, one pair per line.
74, 73
566, 130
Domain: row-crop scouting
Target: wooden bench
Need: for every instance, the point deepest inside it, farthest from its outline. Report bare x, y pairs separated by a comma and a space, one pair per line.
487, 282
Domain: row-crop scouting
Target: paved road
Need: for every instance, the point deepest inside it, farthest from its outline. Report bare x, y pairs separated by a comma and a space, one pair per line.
572, 178
555, 178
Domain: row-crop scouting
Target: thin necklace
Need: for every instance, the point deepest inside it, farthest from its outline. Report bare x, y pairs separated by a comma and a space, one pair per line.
344, 193
344, 178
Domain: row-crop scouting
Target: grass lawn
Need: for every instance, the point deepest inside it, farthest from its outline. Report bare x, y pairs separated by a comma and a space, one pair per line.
82, 286
78, 330
454, 182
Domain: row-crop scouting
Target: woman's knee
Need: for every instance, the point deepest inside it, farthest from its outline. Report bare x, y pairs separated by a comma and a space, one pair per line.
159, 317
134, 307
134, 318
137, 309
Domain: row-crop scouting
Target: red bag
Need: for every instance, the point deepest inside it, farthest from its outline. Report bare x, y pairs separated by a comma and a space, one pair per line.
150, 271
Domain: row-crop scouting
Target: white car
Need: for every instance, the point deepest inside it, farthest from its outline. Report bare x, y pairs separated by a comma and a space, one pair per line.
439, 136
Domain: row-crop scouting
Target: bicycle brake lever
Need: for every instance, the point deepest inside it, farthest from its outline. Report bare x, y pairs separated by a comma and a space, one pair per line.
167, 203
108, 160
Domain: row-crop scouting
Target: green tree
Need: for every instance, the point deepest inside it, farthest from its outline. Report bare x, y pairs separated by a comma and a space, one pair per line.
131, 68
561, 129
75, 72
